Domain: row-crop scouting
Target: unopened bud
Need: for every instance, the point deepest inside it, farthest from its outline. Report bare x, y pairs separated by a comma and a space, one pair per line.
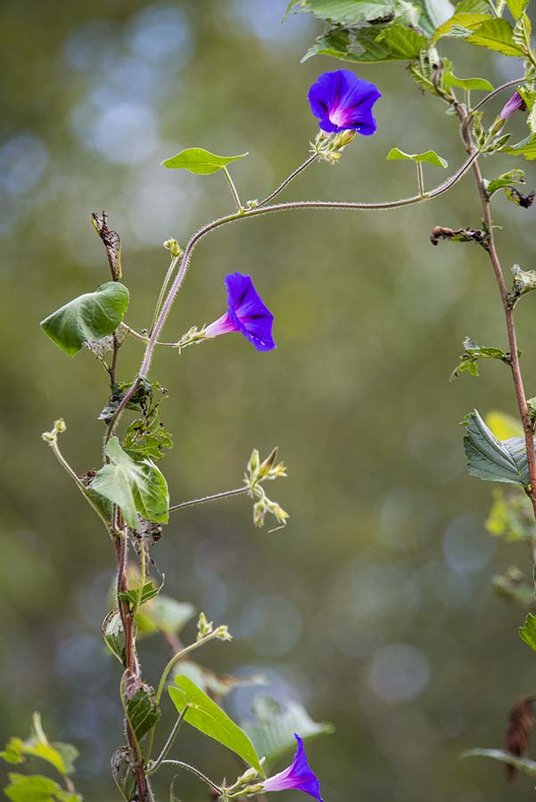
173, 247
204, 627
222, 633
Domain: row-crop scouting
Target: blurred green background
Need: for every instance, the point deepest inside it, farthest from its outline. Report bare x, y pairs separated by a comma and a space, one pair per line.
374, 606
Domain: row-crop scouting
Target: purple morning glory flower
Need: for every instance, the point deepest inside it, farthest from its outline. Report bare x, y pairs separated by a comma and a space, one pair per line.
297, 776
516, 103
246, 313
342, 101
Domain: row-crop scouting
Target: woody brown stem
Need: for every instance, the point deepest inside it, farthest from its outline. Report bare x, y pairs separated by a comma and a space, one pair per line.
515, 367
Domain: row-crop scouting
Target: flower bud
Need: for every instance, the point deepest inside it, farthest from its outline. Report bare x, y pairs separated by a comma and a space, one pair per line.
515, 103
173, 247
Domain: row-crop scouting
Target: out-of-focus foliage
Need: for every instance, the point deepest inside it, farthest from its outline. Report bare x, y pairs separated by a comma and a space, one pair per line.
375, 605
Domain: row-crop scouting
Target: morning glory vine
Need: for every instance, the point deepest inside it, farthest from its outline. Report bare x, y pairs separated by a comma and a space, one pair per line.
129, 493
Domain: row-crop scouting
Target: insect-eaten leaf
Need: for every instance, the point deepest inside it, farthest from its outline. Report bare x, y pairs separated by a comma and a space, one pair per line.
135, 486
206, 716
471, 355
429, 156
273, 727
200, 161
87, 318
491, 459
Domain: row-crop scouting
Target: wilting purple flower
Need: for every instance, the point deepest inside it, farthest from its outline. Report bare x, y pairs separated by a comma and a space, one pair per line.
342, 101
516, 103
246, 313
298, 776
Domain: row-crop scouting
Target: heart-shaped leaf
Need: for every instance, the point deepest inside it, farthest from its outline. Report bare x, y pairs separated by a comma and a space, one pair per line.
88, 317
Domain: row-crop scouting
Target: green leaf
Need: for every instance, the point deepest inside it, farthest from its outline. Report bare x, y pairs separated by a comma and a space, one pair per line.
206, 716
89, 317
60, 756
517, 7
36, 788
472, 7
497, 35
350, 12
272, 730
165, 615
472, 353
114, 635
527, 632
394, 43
132, 595
511, 518
516, 176
480, 84
122, 774
429, 156
136, 487
438, 11
142, 711
493, 460
212, 683
200, 161
523, 764
461, 24
526, 147
523, 282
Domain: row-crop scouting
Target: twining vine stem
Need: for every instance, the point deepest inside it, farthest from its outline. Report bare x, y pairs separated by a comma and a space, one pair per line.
255, 212
491, 249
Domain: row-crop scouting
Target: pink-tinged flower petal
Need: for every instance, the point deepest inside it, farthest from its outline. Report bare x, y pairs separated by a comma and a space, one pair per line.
515, 103
246, 313
342, 101
298, 776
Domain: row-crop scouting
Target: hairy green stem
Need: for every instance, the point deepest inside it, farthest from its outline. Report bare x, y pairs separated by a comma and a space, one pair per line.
155, 764
162, 293
213, 497
303, 166
234, 191
199, 774
180, 656
255, 212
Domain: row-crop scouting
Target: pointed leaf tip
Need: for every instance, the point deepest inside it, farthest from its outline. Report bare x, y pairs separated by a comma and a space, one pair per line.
200, 161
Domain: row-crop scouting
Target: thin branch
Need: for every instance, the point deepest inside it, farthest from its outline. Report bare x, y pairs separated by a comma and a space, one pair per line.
287, 180
234, 191
204, 499
155, 764
246, 214
197, 773
420, 178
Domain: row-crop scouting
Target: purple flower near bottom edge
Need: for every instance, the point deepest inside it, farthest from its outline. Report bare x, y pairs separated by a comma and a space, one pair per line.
246, 313
515, 103
342, 101
297, 776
